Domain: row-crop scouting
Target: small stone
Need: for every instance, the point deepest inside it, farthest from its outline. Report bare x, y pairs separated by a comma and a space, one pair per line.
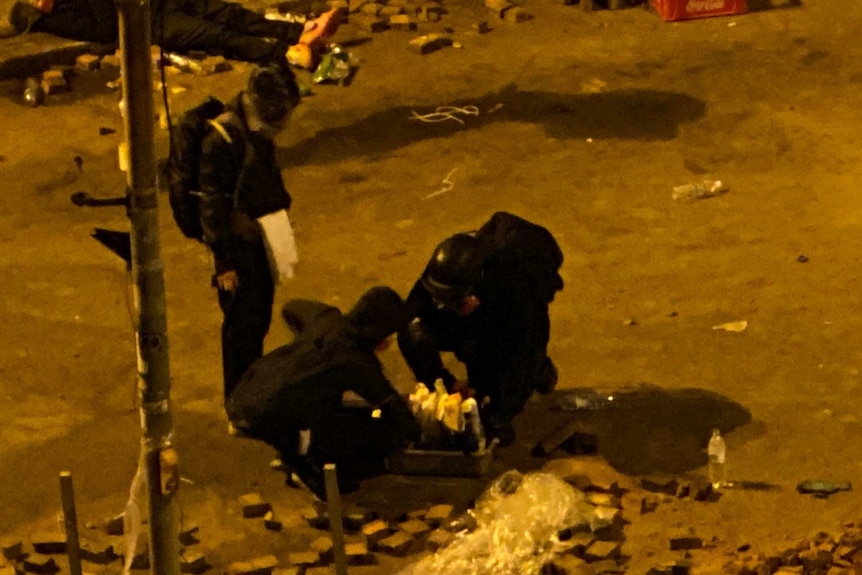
398, 544
660, 484
599, 550
193, 562
481, 27
253, 505
88, 62
516, 15
375, 531
188, 536
429, 43
414, 527
41, 564
682, 543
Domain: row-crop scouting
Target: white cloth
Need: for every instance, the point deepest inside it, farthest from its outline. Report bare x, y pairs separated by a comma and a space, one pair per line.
280, 244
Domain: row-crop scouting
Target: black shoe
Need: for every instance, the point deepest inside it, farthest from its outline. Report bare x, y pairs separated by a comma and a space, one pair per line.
306, 473
548, 377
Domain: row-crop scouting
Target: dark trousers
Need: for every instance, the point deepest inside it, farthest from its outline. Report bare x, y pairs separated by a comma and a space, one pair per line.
247, 312
421, 346
226, 27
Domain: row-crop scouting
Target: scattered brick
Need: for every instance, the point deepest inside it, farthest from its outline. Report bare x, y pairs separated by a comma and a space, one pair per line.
323, 547
357, 553
599, 550
437, 539
194, 563
414, 527
791, 570
684, 543
375, 531
273, 525
845, 552
287, 571
389, 11
660, 484
355, 518
13, 551
6, 570
239, 568
41, 564
189, 536
264, 565
429, 43
88, 62
516, 15
814, 559
370, 23
398, 544
371, 8
53, 82
438, 514
102, 554
318, 571
253, 505
402, 22
304, 558
315, 517
604, 500
606, 566
49, 543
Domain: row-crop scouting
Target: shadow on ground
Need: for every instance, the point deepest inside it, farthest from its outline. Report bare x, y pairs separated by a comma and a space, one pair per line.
625, 114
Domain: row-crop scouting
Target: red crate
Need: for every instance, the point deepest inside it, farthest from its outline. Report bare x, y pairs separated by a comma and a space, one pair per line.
671, 10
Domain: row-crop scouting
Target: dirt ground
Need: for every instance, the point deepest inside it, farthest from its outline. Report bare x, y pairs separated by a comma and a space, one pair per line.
586, 122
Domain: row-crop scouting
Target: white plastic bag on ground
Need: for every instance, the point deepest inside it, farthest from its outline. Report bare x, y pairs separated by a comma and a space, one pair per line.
518, 518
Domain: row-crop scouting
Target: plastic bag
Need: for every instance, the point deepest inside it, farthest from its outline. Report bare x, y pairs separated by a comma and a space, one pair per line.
517, 521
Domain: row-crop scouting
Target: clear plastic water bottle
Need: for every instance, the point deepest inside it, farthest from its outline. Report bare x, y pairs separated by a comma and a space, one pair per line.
717, 452
698, 190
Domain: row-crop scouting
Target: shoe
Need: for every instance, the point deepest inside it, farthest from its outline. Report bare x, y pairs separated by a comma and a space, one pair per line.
307, 474
549, 376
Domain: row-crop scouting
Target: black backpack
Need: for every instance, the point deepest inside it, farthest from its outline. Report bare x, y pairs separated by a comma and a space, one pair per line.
183, 165
531, 245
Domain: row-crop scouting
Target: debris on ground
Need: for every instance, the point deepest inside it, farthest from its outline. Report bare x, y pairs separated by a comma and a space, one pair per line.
823, 488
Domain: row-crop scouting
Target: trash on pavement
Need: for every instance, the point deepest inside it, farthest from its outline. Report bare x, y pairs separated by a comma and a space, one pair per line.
821, 488
698, 190
333, 67
734, 326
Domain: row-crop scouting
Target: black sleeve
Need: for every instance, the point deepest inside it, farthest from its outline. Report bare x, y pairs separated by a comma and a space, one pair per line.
219, 170
418, 340
84, 20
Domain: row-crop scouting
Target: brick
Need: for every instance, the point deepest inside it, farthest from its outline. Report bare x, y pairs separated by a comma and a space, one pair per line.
194, 562
13, 551
264, 564
371, 9
685, 543
429, 43
8, 570
437, 539
315, 517
357, 553
323, 547
606, 566
430, 12
815, 559
41, 564
604, 500
845, 552
402, 22
53, 82
287, 571
189, 536
318, 571
389, 11
88, 62
253, 505
568, 565
304, 558
100, 554
375, 531
371, 24
49, 543
273, 525
599, 550
835, 570
398, 544
354, 6
414, 527
791, 570
438, 514
516, 15
239, 568
355, 518
660, 484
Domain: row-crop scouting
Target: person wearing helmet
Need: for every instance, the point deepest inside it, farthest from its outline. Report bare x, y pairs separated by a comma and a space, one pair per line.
291, 398
479, 299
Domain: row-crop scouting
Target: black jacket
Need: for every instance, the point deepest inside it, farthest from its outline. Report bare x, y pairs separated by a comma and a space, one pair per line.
236, 186
301, 385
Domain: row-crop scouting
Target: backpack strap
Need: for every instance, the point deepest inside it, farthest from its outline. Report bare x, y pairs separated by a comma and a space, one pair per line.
219, 125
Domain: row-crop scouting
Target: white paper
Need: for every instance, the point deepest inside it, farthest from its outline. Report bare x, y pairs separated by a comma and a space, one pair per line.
280, 244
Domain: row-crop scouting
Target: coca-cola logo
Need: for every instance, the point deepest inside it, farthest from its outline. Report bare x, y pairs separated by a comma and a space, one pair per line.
704, 5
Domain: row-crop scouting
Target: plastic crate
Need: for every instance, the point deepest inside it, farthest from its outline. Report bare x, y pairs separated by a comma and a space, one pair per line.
672, 10
441, 463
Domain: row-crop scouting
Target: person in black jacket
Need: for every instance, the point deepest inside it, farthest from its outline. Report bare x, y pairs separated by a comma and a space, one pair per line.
241, 181
296, 391
212, 26
489, 306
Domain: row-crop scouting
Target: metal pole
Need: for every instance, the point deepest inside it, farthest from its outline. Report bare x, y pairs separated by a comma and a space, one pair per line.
149, 290
336, 527
70, 521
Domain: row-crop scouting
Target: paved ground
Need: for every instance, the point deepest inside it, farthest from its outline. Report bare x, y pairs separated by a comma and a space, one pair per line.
586, 122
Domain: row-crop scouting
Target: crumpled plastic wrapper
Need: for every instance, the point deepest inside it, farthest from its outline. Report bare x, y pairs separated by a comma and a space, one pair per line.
333, 67
517, 521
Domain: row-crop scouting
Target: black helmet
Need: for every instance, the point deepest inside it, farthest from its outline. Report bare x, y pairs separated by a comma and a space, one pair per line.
454, 270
